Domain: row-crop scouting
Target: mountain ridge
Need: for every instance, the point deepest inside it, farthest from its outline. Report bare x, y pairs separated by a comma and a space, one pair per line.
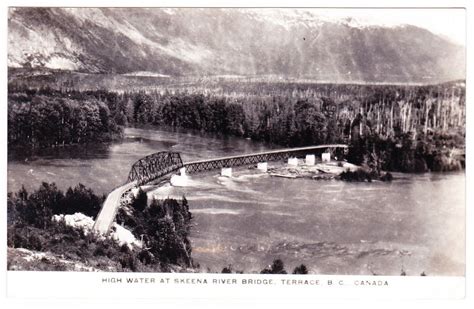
181, 42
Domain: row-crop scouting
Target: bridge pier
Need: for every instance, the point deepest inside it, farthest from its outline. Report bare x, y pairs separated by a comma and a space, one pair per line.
326, 157
182, 171
226, 171
310, 159
262, 166
293, 161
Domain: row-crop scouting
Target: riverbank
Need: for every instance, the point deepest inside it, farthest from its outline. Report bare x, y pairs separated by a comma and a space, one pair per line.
299, 119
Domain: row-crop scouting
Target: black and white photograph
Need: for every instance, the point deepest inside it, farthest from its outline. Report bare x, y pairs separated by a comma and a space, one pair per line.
290, 141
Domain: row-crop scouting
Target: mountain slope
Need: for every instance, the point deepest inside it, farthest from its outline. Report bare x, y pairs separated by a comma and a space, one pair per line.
285, 42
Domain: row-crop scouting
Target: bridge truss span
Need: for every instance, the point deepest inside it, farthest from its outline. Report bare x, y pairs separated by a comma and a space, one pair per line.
249, 159
154, 166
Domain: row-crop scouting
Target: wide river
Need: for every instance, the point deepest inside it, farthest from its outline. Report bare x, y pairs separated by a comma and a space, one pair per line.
415, 223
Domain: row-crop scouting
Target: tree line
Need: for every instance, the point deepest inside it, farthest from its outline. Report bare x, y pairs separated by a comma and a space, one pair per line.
52, 119
378, 121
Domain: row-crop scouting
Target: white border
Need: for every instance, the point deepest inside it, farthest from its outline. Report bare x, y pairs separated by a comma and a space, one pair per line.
86, 284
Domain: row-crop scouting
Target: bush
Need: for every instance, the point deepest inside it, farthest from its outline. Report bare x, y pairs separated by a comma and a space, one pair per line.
386, 177
164, 226
358, 175
300, 270
36, 209
277, 267
81, 199
227, 270
362, 175
140, 201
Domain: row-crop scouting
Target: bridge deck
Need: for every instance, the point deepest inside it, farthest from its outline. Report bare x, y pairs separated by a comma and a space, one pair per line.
278, 151
107, 214
252, 158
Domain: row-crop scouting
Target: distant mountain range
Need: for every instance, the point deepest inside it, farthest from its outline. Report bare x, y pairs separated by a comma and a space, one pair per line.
248, 42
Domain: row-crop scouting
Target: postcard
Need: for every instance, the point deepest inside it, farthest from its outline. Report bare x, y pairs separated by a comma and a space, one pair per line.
305, 152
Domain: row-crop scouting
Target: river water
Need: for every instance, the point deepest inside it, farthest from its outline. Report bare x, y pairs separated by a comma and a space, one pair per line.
415, 223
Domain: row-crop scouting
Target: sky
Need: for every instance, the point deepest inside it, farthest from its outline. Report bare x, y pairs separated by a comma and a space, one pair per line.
450, 23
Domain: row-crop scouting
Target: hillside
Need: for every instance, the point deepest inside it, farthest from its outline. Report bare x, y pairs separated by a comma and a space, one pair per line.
249, 42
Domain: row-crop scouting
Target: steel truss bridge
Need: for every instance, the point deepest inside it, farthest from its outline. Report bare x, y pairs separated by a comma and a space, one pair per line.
161, 164
157, 165
254, 158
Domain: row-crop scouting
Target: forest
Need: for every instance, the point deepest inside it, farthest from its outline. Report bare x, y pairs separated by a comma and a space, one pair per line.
408, 128
51, 119
164, 225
